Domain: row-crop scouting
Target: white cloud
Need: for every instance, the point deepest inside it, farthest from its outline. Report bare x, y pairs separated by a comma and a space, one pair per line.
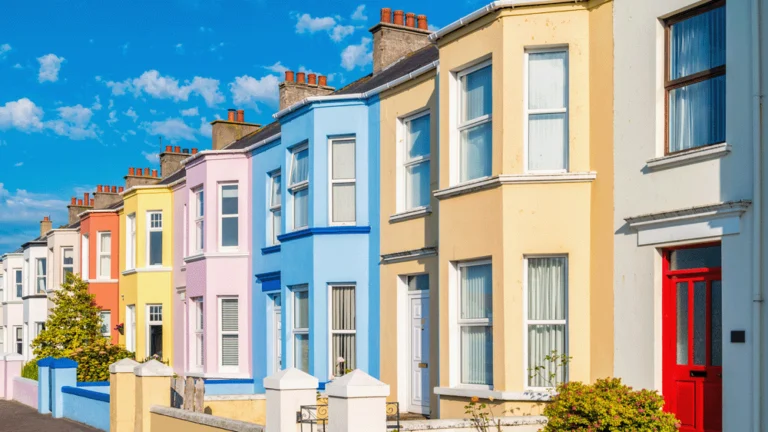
18, 66
4, 50
18, 164
153, 111
166, 87
97, 78
74, 122
277, 68
205, 29
307, 71
357, 55
111, 104
190, 112
22, 114
131, 132
112, 117
22, 206
50, 64
125, 47
96, 103
247, 90
205, 128
215, 47
339, 32
359, 13
305, 23
172, 129
433, 28
151, 157
179, 48
132, 114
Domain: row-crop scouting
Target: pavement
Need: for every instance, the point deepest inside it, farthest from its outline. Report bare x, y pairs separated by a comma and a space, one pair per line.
15, 417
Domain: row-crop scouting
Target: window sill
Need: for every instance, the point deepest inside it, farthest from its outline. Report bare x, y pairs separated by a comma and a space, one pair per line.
193, 258
504, 179
410, 214
689, 157
528, 395
270, 249
98, 281
155, 269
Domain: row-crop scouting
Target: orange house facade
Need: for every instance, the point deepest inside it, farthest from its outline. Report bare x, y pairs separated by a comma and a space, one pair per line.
99, 231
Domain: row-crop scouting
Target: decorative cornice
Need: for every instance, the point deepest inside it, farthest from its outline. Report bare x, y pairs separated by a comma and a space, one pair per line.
208, 255
408, 255
514, 179
699, 154
709, 211
264, 277
410, 214
323, 231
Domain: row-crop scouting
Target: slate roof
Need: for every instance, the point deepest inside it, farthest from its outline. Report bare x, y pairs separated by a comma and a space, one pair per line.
179, 174
402, 67
254, 137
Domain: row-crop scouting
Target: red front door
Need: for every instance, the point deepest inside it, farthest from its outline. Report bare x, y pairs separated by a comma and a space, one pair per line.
692, 337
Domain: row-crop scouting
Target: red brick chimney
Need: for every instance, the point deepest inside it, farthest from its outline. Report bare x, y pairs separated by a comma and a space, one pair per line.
294, 91
225, 132
396, 38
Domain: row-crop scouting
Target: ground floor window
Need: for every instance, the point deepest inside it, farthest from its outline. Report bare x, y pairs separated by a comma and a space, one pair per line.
39, 327
18, 333
230, 338
198, 338
475, 323
343, 333
301, 328
130, 328
106, 323
155, 331
277, 333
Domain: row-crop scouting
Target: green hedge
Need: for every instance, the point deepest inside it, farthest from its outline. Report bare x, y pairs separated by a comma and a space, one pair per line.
29, 370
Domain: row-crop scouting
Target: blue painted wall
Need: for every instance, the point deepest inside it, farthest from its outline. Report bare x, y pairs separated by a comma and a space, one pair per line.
86, 406
229, 387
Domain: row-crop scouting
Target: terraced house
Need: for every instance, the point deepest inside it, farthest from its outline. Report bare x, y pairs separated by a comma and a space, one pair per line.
12, 287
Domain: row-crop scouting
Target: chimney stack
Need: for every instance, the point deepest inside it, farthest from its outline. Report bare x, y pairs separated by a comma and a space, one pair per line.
45, 225
78, 206
230, 115
141, 177
392, 40
241, 116
292, 91
105, 196
225, 132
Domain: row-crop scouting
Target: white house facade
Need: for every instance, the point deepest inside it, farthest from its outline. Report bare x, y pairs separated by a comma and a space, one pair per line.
12, 329
35, 291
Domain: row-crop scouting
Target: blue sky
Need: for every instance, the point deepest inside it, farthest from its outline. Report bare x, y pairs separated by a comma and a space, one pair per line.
89, 87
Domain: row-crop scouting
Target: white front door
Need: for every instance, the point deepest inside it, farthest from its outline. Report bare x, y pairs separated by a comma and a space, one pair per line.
278, 338
418, 400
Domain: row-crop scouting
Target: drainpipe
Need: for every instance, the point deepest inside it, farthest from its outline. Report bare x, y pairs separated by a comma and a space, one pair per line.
757, 246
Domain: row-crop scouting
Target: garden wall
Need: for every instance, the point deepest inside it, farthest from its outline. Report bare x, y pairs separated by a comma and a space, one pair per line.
25, 391
228, 387
86, 406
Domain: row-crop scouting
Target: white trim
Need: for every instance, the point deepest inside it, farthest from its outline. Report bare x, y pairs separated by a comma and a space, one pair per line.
332, 182
695, 155
198, 311
129, 329
222, 216
101, 281
405, 356
199, 204
298, 187
148, 324
154, 269
272, 208
100, 254
130, 244
402, 164
143, 187
85, 263
209, 255
413, 213
498, 395
221, 333
245, 150
504, 179
297, 331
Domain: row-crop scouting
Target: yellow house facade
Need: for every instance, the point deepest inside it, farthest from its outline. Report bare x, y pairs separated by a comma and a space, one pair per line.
145, 271
524, 189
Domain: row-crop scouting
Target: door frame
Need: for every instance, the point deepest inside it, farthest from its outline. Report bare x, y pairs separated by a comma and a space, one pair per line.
404, 339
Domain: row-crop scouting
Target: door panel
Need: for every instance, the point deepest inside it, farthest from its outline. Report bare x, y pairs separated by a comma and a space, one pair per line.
419, 341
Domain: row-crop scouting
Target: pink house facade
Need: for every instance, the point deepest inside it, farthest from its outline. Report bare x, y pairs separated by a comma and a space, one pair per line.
212, 265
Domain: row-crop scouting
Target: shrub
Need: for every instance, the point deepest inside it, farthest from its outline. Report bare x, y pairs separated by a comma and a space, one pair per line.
93, 360
607, 405
29, 370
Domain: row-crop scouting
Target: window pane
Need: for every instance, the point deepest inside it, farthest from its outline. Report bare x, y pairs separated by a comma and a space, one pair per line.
229, 231
156, 220
418, 283
301, 310
343, 345
547, 143
476, 298
105, 263
682, 323
277, 225
700, 323
475, 152
542, 341
692, 258
41, 267
716, 324
417, 138
697, 114
276, 190
200, 204
343, 306
69, 256
229, 314
301, 352
546, 288
344, 202
476, 99
229, 199
106, 323
417, 192
155, 248
547, 80
343, 159
229, 350
199, 237
697, 44
300, 208
476, 355
300, 167
106, 243
156, 340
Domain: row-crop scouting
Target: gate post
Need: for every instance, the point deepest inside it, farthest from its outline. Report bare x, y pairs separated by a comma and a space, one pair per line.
44, 385
153, 387
287, 391
357, 402
122, 395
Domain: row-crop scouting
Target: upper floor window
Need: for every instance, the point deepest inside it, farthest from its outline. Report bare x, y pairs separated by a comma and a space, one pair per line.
695, 78
67, 262
229, 215
343, 181
547, 110
475, 122
199, 234
414, 189
41, 276
104, 262
275, 207
19, 282
85, 258
299, 186
130, 244
154, 238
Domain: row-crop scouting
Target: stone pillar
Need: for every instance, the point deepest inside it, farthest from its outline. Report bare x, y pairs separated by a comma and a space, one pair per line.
122, 395
63, 374
357, 402
13, 363
287, 391
153, 387
44, 385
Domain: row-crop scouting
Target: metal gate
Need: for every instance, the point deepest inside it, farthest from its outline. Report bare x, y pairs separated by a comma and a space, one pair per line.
314, 418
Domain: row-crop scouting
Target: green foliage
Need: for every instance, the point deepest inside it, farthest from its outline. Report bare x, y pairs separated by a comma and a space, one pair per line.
73, 330
29, 370
547, 372
155, 357
607, 405
482, 417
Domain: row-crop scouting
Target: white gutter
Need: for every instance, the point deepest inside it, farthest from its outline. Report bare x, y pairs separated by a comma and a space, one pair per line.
140, 187
80, 215
243, 150
757, 222
358, 96
493, 7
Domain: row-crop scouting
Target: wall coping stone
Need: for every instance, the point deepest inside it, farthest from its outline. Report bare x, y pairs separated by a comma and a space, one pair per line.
290, 379
12, 357
123, 366
153, 368
88, 394
356, 384
452, 424
64, 363
245, 397
45, 362
207, 419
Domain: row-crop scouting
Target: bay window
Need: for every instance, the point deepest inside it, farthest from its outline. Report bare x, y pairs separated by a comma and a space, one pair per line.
275, 207
67, 262
342, 199
154, 238
18, 335
229, 215
343, 329
695, 78
299, 186
41, 277
199, 234
475, 122
475, 323
85, 257
301, 328
229, 331
547, 110
545, 317
415, 178
104, 249
130, 244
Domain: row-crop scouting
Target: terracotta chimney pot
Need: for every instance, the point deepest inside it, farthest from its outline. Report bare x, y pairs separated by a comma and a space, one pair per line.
312, 79
230, 117
241, 116
146, 172
323, 81
422, 20
80, 202
114, 189
398, 17
410, 19
178, 148
386, 15
138, 172
120, 189
194, 150
99, 188
130, 171
93, 201
288, 76
74, 201
86, 198
300, 77
168, 149
154, 173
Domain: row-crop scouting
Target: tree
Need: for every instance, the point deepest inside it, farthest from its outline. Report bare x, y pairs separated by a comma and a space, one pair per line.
73, 330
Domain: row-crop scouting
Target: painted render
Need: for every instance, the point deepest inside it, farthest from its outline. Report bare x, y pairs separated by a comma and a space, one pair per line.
522, 216
13, 309
35, 304
59, 239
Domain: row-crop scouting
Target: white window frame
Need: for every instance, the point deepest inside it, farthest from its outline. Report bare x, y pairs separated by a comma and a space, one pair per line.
150, 230
277, 338
273, 208
198, 332
18, 344
301, 330
222, 333
85, 257
298, 187
528, 112
100, 254
198, 196
43, 277
148, 326
130, 244
130, 328
222, 216
527, 322
403, 163
102, 314
332, 181
18, 284
65, 266
457, 126
332, 361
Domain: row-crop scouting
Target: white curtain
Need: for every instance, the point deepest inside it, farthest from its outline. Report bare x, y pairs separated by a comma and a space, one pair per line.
476, 300
547, 91
301, 208
301, 310
417, 185
475, 152
344, 315
344, 202
41, 278
343, 159
476, 337
477, 98
300, 167
547, 80
547, 143
301, 352
277, 225
104, 256
276, 191
542, 340
546, 302
476, 355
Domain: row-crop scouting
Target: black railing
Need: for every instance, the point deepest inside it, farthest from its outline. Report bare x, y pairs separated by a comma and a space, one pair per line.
314, 418
393, 415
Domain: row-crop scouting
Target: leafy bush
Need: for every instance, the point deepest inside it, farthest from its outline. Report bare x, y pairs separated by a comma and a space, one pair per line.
93, 360
29, 370
607, 405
